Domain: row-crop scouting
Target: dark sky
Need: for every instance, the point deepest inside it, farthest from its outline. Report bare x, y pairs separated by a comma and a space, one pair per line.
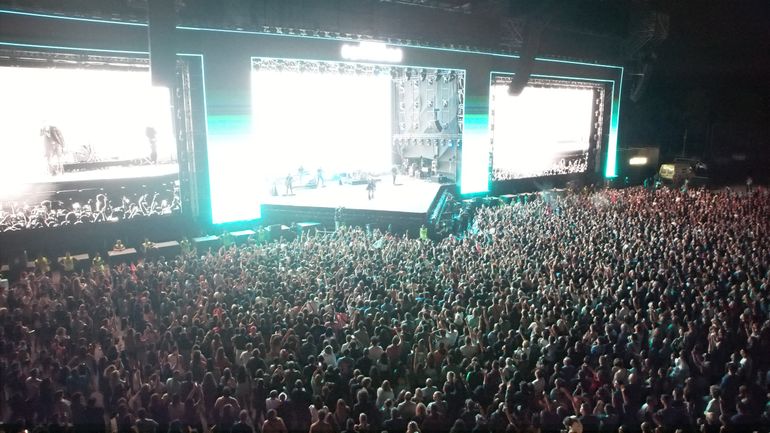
721, 38
710, 80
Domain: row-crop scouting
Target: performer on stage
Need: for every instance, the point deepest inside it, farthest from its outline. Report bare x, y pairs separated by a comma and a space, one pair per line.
394, 170
370, 187
289, 184
320, 178
53, 142
152, 136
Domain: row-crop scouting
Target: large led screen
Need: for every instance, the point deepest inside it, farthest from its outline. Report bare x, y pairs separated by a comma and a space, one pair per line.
543, 131
84, 145
337, 123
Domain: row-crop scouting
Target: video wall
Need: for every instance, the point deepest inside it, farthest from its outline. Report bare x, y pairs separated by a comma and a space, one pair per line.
549, 129
69, 130
477, 134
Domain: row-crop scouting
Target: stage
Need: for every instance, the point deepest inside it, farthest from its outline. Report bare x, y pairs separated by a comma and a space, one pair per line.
408, 195
403, 205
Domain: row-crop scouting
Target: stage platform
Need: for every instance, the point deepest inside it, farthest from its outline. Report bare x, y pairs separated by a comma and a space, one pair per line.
408, 195
403, 205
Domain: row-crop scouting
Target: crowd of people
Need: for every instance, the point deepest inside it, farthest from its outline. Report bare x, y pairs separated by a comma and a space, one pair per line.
566, 165
634, 310
15, 216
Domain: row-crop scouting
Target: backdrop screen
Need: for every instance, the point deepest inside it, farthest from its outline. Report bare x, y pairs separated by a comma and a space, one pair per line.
66, 133
322, 120
543, 131
305, 121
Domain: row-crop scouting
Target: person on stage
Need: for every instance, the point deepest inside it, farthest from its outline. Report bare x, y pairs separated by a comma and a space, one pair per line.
394, 171
289, 184
370, 187
53, 142
320, 178
152, 136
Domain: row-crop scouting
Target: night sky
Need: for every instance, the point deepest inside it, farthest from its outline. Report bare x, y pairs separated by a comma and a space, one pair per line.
711, 80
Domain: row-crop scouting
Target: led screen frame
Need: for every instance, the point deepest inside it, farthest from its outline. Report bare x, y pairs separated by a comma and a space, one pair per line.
595, 124
92, 170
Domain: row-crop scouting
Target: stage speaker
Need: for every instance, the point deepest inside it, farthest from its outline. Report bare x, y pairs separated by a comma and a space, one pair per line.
534, 27
161, 32
276, 231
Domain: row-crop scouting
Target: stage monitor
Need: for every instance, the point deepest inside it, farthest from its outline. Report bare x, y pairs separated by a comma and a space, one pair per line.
546, 130
83, 144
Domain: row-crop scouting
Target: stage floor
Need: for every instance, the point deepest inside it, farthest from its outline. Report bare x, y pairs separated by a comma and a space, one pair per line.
111, 173
408, 195
43, 185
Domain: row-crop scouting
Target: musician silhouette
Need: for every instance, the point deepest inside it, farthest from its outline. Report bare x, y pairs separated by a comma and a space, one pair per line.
152, 137
53, 143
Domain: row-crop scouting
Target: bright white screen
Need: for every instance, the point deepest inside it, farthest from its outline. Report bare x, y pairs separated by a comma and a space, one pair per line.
107, 110
536, 130
340, 123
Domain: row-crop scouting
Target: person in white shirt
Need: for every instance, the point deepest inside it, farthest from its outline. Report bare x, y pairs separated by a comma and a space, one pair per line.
245, 355
449, 338
328, 356
539, 383
346, 345
384, 393
272, 402
469, 350
175, 360
714, 407
428, 391
375, 350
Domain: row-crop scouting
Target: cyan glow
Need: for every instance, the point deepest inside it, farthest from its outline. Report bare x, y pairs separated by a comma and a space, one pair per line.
611, 168
232, 175
474, 176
